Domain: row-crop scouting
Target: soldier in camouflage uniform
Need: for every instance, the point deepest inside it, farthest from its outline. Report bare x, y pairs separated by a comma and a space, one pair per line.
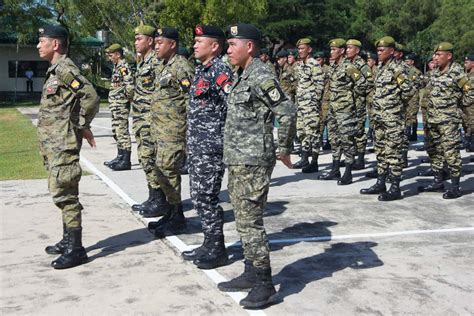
144, 88
68, 105
254, 101
372, 63
168, 115
309, 93
414, 103
266, 59
205, 139
285, 74
327, 70
392, 88
449, 86
468, 108
353, 53
345, 84
120, 94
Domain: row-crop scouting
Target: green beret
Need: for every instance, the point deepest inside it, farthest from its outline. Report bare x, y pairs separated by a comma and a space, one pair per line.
265, 51
304, 41
113, 48
354, 42
319, 54
243, 31
386, 41
52, 31
168, 32
293, 52
337, 42
398, 47
145, 30
444, 47
469, 57
283, 53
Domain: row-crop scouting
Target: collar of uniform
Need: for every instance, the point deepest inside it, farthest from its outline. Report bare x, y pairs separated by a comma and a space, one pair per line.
253, 64
171, 60
149, 56
210, 63
53, 66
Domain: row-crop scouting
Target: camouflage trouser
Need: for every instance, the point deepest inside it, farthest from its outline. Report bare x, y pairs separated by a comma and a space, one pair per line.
468, 119
309, 119
361, 136
406, 131
120, 112
412, 109
169, 159
205, 179
63, 185
342, 131
428, 138
248, 189
324, 116
446, 142
389, 138
370, 108
145, 148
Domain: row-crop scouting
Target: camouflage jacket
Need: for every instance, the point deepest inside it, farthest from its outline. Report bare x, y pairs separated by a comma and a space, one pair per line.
254, 101
392, 90
446, 96
170, 100
327, 70
208, 108
310, 77
287, 80
365, 70
121, 83
144, 83
68, 104
468, 100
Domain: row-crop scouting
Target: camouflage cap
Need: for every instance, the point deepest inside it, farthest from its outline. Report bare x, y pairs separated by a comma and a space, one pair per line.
337, 42
168, 32
386, 41
444, 47
319, 54
243, 31
147, 30
399, 47
469, 57
304, 41
354, 42
113, 48
52, 31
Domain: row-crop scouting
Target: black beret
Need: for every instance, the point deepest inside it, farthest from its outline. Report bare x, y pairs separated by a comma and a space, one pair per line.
411, 56
52, 31
243, 31
372, 55
208, 31
265, 51
282, 53
168, 32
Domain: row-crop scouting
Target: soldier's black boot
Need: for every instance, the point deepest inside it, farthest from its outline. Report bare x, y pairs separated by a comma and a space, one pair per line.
377, 188
454, 192
197, 252
405, 158
117, 158
359, 163
327, 145
263, 293
393, 193
347, 176
303, 162
157, 206
243, 282
313, 166
74, 254
470, 144
436, 186
139, 207
372, 174
124, 163
334, 173
215, 254
173, 222
59, 247
413, 134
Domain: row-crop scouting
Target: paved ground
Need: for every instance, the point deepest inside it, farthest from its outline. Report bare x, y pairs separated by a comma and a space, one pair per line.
334, 251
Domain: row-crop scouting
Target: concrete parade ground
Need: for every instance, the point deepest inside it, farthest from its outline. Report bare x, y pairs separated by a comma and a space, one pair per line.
333, 250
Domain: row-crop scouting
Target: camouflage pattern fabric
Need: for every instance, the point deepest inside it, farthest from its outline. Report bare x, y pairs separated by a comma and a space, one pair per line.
424, 98
468, 107
414, 103
370, 99
325, 101
287, 81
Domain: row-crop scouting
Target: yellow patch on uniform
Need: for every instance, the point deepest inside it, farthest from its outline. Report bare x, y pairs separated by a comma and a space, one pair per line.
185, 83
400, 79
75, 84
413, 78
123, 71
467, 87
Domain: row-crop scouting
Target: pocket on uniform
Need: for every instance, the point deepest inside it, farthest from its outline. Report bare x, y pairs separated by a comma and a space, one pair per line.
68, 174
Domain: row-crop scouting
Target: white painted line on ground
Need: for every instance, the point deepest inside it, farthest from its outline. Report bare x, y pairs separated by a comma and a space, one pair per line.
101, 127
215, 276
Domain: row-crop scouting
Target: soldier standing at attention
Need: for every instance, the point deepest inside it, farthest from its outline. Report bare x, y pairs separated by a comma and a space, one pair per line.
449, 85
468, 108
285, 74
392, 87
205, 143
168, 116
144, 88
254, 101
309, 93
327, 70
372, 63
68, 105
414, 103
120, 94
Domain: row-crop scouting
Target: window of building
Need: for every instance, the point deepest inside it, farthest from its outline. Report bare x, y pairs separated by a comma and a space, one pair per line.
39, 68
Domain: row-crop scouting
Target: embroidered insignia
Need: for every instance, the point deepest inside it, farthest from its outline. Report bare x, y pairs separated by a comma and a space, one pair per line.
274, 95
234, 30
75, 84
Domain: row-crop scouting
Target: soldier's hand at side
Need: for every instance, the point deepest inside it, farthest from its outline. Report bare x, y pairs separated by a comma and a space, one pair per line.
87, 134
286, 160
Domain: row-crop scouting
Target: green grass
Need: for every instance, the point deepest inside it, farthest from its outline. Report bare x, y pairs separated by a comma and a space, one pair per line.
19, 155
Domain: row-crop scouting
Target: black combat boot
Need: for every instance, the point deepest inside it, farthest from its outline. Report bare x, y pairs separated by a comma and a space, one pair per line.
428, 173
117, 158
139, 207
124, 163
377, 188
263, 293
74, 254
58, 248
454, 192
245, 281
359, 163
157, 206
372, 174
470, 144
197, 252
215, 254
413, 133
303, 162
405, 159
393, 193
334, 174
173, 222
327, 145
436, 186
347, 176
313, 166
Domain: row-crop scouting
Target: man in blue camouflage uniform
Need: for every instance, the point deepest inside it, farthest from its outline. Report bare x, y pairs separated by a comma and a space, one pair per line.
205, 136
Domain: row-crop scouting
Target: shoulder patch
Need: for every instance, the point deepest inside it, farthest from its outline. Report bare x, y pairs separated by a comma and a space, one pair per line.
462, 82
185, 84
72, 81
354, 73
124, 71
272, 91
221, 79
